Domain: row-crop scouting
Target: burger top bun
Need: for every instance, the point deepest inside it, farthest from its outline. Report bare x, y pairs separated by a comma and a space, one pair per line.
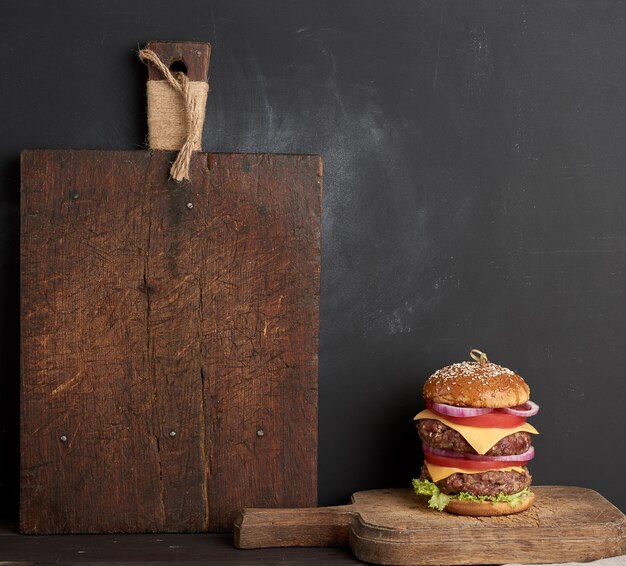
487, 508
478, 383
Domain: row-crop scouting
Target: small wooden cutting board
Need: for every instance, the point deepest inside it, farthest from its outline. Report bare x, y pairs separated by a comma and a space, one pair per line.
394, 526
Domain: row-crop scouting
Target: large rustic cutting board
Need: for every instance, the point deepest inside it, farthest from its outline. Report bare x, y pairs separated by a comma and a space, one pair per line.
397, 527
169, 337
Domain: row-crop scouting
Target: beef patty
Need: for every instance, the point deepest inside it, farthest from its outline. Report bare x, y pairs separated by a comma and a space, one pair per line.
438, 435
491, 483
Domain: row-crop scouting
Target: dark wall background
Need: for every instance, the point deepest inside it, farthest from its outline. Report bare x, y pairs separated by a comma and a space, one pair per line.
475, 163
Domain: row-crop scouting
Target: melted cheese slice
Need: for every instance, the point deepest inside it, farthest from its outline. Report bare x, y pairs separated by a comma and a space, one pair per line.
438, 473
480, 439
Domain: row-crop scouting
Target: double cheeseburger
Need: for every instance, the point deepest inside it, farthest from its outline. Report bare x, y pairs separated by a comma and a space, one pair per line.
476, 439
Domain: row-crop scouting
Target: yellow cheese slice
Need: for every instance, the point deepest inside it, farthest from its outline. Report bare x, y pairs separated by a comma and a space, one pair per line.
438, 473
480, 439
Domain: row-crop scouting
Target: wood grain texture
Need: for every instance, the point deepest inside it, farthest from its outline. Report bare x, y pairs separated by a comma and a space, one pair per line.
261, 314
268, 528
164, 326
566, 524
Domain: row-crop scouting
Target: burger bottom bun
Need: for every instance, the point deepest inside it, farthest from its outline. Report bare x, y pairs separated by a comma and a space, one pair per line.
486, 508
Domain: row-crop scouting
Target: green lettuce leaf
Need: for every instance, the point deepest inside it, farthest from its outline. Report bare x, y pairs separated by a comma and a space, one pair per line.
439, 500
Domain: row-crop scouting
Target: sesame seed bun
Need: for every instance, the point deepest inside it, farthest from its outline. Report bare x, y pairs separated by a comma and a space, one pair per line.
486, 508
472, 384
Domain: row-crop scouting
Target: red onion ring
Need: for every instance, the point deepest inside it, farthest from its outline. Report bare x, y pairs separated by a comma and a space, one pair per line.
453, 411
528, 409
524, 457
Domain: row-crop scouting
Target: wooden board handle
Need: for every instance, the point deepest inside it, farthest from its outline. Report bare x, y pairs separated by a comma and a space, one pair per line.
193, 55
177, 93
265, 528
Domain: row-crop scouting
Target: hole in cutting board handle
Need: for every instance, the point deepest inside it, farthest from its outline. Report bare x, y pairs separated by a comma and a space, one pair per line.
193, 55
178, 67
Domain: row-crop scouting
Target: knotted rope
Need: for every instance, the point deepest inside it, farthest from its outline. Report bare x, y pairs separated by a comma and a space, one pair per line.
176, 109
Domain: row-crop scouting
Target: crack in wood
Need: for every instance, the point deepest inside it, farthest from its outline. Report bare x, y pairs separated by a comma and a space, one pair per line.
160, 469
203, 447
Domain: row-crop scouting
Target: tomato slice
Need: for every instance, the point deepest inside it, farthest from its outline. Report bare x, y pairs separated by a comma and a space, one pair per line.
466, 464
495, 419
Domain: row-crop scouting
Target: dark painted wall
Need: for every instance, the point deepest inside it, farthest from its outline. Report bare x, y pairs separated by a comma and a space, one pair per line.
475, 162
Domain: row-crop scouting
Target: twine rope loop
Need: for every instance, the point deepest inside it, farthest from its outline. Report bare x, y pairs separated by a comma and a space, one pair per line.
164, 114
479, 356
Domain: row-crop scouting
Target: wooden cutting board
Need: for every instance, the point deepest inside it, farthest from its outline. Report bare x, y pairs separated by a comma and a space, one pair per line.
394, 526
169, 336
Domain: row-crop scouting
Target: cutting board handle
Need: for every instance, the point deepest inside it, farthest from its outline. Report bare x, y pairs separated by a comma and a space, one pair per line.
177, 92
313, 526
194, 56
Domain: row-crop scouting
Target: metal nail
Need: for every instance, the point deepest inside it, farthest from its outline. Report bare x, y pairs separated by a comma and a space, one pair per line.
63, 438
260, 433
172, 433
190, 205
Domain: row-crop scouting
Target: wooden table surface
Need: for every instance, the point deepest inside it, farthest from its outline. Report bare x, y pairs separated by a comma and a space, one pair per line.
152, 549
